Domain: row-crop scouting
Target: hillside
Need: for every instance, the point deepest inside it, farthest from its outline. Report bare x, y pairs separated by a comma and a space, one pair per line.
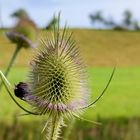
98, 48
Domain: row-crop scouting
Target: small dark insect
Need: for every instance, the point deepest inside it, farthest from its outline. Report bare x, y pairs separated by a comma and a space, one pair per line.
21, 90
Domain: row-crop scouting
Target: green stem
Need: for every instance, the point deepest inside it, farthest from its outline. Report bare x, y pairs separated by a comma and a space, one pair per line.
11, 62
69, 129
55, 124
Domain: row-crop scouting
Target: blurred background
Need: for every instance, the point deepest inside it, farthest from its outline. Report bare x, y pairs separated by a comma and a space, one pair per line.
107, 32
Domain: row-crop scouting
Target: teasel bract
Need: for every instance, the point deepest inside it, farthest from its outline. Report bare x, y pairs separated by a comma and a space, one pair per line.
57, 82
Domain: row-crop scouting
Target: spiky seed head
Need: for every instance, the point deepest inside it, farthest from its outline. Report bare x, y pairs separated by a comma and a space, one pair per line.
57, 79
24, 34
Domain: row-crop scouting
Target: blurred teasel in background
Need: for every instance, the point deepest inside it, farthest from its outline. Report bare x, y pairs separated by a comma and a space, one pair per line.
23, 34
57, 82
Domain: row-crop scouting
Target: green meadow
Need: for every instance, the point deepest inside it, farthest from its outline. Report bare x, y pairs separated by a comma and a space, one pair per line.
118, 110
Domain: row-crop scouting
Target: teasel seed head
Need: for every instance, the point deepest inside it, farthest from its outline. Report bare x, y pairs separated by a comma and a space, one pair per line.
57, 80
24, 34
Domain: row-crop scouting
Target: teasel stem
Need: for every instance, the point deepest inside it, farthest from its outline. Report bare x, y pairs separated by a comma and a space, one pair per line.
69, 129
54, 126
11, 62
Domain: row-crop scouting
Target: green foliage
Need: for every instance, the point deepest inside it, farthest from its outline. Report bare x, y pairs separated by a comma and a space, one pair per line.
111, 129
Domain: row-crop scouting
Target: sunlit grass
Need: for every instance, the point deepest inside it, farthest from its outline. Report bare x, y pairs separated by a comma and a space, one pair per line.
120, 100
122, 97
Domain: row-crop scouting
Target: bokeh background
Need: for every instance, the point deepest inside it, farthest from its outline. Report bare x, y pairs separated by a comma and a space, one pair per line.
107, 32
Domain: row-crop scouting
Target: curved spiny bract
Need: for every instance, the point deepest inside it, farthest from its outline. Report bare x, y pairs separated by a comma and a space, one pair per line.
57, 80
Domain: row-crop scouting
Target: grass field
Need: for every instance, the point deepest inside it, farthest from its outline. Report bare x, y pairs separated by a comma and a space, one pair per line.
123, 93
100, 50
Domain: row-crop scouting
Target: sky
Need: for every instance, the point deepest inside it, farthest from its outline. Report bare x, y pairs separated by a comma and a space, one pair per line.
74, 12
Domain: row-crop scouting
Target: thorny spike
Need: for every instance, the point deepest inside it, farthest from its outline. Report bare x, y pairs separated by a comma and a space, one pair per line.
83, 119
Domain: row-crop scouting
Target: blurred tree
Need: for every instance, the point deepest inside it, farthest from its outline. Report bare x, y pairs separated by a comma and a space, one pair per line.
128, 23
97, 16
127, 18
110, 23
